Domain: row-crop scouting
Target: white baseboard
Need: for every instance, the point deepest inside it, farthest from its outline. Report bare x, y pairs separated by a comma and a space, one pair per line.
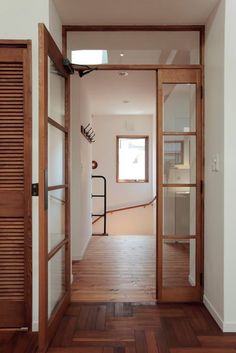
226, 326
229, 326
191, 281
81, 255
35, 326
213, 312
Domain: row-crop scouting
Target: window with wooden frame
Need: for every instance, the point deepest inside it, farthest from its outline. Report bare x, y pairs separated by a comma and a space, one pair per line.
132, 159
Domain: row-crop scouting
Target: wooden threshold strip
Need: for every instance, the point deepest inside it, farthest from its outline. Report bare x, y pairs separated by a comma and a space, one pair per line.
57, 248
179, 185
57, 187
179, 237
181, 133
57, 125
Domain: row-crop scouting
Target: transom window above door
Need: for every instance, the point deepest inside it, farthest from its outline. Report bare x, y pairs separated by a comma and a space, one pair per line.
165, 47
132, 159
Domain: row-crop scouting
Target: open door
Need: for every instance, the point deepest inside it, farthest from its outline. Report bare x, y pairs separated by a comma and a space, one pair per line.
180, 180
54, 201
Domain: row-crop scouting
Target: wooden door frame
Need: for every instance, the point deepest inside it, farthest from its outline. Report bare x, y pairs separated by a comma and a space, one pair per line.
108, 67
128, 28
27, 59
181, 294
48, 48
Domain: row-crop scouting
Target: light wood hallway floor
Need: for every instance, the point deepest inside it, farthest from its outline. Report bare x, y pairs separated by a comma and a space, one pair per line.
116, 268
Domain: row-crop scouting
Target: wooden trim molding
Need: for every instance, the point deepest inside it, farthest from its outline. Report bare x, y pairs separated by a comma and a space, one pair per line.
57, 125
120, 28
57, 187
57, 248
137, 67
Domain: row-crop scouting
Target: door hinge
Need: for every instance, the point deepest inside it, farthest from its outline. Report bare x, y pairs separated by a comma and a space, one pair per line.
202, 186
201, 279
35, 189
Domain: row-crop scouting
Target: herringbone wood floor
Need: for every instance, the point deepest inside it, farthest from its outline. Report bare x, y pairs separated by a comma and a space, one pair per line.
135, 328
18, 342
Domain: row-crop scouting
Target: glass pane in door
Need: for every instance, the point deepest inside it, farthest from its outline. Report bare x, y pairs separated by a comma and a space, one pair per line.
179, 159
179, 259
56, 94
56, 218
179, 211
56, 156
179, 111
56, 280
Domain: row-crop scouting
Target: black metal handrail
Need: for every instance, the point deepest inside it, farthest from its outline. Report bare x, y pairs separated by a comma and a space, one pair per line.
104, 196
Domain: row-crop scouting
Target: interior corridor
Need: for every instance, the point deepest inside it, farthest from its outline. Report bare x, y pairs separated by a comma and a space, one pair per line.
116, 268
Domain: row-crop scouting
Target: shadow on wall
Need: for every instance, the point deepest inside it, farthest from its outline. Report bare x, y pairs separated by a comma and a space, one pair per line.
138, 221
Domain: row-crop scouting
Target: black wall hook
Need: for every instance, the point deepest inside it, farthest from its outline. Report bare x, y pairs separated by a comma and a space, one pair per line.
88, 133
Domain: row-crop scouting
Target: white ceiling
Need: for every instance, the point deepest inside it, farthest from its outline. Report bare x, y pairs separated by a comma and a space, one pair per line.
107, 92
134, 12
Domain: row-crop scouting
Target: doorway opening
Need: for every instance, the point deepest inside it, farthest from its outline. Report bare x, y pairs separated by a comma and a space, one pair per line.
120, 261
178, 95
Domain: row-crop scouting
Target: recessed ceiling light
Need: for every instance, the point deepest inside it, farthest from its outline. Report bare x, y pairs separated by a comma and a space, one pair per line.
123, 73
122, 54
125, 101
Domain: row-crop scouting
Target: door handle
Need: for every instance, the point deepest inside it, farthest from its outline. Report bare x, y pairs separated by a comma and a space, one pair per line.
45, 189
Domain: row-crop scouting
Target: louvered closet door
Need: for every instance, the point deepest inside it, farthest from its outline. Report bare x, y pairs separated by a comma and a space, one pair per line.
15, 181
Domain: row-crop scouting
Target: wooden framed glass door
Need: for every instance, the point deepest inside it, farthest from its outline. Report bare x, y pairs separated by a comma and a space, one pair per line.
54, 200
180, 169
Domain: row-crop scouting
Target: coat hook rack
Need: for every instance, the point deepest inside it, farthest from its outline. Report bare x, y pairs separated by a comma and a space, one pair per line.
88, 133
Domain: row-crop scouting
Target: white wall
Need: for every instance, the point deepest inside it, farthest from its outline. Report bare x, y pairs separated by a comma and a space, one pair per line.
230, 169
81, 224
220, 224
214, 182
122, 194
55, 24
